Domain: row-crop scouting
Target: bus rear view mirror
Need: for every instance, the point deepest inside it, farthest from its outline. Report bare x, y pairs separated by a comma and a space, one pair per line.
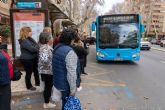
142, 28
93, 26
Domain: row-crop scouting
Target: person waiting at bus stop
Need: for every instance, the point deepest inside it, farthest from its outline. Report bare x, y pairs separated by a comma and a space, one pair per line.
65, 66
45, 66
81, 50
5, 83
29, 56
81, 53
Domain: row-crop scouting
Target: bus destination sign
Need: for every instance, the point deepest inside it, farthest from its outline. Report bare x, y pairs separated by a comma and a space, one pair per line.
118, 19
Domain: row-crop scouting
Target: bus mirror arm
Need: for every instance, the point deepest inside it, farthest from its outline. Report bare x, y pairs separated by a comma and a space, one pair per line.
142, 29
93, 26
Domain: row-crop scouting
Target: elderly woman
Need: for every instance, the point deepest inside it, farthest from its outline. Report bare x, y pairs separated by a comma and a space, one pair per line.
45, 66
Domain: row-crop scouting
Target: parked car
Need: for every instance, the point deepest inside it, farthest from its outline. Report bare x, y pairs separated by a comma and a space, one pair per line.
145, 45
153, 41
162, 43
158, 41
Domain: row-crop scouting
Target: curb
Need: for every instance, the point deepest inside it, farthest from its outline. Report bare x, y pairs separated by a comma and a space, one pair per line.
22, 93
163, 50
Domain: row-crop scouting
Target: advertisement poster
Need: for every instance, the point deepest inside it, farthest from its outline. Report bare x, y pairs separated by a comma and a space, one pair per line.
34, 20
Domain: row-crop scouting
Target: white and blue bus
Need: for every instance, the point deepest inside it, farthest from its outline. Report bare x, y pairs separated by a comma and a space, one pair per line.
118, 37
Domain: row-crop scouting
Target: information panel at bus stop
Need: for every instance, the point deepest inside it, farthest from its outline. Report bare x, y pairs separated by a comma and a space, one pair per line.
33, 20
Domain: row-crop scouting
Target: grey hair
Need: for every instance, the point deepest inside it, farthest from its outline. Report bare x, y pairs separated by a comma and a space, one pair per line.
44, 37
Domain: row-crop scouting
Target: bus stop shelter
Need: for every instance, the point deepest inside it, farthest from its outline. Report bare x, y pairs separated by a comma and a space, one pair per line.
51, 13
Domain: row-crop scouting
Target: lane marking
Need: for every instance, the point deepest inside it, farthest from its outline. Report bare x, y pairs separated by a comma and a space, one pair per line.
98, 68
27, 102
158, 49
128, 93
100, 80
105, 85
97, 74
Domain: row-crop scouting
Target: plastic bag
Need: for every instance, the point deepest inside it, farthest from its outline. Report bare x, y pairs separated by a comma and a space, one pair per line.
73, 103
56, 95
42, 86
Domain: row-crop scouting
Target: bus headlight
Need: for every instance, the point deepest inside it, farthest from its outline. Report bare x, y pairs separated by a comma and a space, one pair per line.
100, 54
136, 55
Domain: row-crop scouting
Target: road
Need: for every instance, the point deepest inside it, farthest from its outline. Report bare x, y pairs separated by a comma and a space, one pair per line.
119, 85
130, 85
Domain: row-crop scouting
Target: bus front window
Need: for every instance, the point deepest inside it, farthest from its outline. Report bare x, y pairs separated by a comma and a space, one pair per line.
118, 35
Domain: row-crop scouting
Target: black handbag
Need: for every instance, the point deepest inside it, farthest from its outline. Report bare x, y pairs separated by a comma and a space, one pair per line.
16, 74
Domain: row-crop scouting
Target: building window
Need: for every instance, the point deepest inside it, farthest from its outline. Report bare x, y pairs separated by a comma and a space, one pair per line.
4, 1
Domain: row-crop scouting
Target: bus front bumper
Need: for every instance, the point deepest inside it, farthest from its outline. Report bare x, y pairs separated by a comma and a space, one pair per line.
104, 57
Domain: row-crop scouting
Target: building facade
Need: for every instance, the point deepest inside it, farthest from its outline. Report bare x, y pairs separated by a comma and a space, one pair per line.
152, 13
4, 11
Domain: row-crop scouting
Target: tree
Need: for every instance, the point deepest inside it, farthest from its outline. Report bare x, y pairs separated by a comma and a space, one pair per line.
79, 11
88, 6
5, 32
116, 9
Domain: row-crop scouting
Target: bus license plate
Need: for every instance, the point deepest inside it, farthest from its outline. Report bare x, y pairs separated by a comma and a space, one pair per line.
118, 59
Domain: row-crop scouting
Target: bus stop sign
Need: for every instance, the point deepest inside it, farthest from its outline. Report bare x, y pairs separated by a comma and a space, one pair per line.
28, 4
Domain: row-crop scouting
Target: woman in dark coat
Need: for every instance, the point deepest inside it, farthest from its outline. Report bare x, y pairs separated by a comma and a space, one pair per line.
29, 56
81, 53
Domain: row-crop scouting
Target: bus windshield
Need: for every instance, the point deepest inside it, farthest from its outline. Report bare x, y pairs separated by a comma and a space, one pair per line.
118, 35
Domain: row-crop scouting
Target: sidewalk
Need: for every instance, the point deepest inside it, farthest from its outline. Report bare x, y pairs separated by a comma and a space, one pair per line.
157, 47
18, 87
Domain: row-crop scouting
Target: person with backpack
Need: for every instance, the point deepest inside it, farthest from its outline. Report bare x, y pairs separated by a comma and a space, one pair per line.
5, 76
29, 57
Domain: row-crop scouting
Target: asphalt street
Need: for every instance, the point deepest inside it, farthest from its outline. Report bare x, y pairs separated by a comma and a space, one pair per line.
116, 85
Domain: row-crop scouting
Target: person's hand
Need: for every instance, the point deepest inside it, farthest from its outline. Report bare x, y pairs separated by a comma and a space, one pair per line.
12, 59
72, 94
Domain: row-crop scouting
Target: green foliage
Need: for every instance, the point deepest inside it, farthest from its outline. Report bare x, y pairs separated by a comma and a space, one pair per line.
5, 31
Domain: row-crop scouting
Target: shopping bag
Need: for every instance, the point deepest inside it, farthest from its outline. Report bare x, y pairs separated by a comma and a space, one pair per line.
42, 86
56, 95
73, 103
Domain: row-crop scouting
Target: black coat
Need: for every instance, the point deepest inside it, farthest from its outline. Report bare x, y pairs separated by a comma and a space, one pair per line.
81, 53
29, 48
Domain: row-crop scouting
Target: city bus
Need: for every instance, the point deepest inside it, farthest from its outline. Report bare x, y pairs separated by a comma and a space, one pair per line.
118, 37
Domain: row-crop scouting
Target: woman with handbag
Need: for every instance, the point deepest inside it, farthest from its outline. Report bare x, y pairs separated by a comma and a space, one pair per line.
29, 56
